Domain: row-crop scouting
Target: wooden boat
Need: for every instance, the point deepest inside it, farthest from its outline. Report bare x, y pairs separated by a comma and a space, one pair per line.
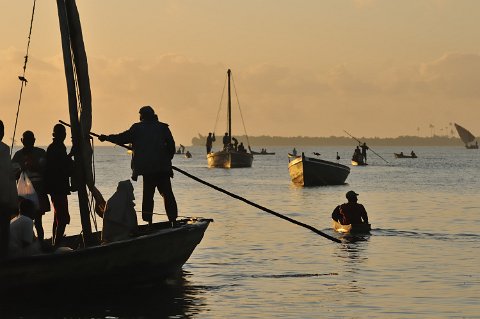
263, 152
157, 250
467, 137
308, 171
351, 228
229, 157
401, 155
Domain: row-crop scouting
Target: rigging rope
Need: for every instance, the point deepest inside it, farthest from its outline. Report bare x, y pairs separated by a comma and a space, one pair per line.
241, 114
22, 78
220, 104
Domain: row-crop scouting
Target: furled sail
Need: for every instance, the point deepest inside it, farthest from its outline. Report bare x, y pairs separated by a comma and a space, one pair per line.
78, 85
464, 134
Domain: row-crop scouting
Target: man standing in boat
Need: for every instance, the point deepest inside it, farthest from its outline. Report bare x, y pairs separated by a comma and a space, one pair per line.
153, 150
209, 143
351, 212
364, 148
226, 141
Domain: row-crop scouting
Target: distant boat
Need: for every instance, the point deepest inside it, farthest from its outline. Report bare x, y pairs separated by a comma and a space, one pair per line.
309, 171
351, 228
401, 155
262, 152
466, 137
229, 157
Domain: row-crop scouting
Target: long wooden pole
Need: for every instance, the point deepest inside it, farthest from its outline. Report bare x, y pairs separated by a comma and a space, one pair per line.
291, 220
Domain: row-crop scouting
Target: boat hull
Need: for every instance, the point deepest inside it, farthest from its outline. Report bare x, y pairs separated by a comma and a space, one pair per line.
398, 155
156, 253
309, 171
351, 228
355, 163
229, 159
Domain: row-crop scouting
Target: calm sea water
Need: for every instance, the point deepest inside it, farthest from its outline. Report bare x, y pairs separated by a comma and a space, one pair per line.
420, 261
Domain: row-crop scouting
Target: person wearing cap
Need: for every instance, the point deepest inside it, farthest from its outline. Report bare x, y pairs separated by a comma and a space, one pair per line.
350, 212
153, 149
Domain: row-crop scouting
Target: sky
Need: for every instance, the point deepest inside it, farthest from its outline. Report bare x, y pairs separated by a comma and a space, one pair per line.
375, 68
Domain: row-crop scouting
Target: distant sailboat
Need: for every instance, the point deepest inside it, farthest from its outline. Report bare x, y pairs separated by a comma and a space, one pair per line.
466, 137
230, 157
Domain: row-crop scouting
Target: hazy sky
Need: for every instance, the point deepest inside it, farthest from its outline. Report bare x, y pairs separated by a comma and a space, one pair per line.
301, 67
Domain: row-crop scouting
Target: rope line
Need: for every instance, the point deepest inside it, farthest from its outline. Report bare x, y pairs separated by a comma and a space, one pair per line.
241, 114
22, 78
220, 104
257, 206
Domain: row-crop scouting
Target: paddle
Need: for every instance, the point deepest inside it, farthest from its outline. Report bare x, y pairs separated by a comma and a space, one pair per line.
368, 147
318, 232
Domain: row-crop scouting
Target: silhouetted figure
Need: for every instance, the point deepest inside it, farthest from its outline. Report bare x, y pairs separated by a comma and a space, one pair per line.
226, 141
316, 153
241, 148
22, 239
338, 157
8, 193
120, 218
401, 154
209, 143
153, 150
412, 153
294, 152
58, 171
235, 143
357, 155
350, 212
188, 154
364, 151
32, 161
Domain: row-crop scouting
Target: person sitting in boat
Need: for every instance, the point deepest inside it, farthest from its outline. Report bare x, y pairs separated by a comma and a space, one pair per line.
153, 151
22, 239
120, 218
226, 141
413, 154
350, 212
401, 154
357, 155
294, 152
241, 148
188, 154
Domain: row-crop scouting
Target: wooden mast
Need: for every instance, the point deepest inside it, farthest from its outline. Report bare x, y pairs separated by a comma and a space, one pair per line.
70, 28
229, 113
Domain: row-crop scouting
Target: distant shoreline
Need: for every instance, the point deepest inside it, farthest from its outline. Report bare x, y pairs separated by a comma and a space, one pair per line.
262, 141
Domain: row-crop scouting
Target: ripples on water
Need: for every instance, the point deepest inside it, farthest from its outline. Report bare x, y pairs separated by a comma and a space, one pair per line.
420, 261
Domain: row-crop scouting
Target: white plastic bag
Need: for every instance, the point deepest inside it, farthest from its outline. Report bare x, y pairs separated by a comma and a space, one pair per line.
26, 190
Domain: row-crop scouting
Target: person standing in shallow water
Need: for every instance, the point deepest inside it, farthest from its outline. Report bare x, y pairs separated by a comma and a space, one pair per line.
351, 212
153, 149
58, 171
32, 161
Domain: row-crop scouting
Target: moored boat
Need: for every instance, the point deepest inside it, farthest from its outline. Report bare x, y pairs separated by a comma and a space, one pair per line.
351, 228
308, 171
85, 261
157, 251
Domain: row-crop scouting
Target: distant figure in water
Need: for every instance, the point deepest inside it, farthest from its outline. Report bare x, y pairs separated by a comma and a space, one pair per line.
338, 157
294, 152
413, 154
209, 143
188, 154
350, 212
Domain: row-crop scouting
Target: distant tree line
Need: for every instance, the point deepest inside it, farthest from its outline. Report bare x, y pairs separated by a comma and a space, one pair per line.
262, 141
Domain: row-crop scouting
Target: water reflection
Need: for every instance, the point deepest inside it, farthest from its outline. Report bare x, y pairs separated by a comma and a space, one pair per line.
174, 297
